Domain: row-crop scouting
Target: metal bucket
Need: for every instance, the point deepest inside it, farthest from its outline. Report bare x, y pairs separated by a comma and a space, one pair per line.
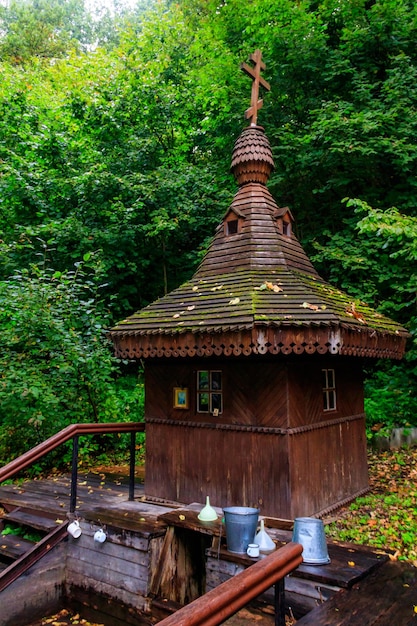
309, 531
241, 523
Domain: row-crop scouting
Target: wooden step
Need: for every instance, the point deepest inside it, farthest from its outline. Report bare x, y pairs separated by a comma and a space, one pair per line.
386, 597
14, 547
30, 518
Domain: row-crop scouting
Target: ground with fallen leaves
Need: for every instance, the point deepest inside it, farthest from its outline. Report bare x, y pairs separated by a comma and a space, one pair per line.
387, 516
63, 618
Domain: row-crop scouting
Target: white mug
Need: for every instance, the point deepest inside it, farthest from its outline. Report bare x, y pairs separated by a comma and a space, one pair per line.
253, 550
100, 536
74, 529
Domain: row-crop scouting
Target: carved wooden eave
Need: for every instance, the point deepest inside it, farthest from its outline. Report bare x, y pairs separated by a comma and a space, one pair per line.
256, 291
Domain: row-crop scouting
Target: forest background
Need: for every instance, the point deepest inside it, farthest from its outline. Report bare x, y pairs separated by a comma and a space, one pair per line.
116, 134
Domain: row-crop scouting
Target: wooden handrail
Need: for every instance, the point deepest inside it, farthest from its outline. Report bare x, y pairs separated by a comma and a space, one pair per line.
74, 430
217, 605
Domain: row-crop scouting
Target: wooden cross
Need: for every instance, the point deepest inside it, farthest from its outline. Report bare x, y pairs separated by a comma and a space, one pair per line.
255, 73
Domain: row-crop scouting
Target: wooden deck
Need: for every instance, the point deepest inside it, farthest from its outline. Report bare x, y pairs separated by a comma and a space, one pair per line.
374, 589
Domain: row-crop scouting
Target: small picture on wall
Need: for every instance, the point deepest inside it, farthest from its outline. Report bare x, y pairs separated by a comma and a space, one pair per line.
180, 398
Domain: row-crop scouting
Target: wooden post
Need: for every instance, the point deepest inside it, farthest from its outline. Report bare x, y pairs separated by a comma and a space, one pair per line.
132, 465
74, 474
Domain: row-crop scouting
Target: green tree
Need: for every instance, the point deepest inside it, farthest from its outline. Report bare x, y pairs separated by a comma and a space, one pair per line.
56, 366
125, 150
43, 28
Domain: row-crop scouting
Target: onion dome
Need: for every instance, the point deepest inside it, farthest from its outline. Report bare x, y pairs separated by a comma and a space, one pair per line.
252, 160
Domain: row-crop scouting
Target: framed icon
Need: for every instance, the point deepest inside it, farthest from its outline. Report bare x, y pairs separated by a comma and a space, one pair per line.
180, 398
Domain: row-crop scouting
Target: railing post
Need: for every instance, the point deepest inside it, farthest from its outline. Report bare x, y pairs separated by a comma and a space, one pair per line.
279, 598
74, 474
132, 465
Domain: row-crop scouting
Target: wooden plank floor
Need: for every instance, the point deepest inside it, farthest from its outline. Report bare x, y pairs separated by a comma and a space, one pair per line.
53, 494
387, 596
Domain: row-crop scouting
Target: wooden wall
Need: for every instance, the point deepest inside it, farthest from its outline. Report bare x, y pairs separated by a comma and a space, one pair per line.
118, 568
273, 447
233, 467
305, 389
254, 392
327, 466
36, 594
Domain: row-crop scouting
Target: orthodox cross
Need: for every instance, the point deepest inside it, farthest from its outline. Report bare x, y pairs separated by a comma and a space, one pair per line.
255, 73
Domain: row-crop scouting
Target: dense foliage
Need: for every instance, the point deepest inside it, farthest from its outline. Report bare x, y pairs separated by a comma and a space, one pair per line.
116, 131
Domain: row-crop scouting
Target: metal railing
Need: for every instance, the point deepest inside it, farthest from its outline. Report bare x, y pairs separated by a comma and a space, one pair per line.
217, 605
74, 431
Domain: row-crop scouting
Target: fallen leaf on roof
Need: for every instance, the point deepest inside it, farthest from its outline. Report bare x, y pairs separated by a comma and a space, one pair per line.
195, 288
307, 305
271, 286
354, 313
191, 307
216, 288
234, 301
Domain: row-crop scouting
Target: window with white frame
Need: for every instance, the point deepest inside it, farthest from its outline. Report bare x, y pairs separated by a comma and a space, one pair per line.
329, 390
209, 392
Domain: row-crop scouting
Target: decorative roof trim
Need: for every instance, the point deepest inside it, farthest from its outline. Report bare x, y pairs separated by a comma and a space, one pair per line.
261, 341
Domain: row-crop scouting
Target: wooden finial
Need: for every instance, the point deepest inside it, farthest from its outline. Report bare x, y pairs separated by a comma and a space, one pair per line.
255, 73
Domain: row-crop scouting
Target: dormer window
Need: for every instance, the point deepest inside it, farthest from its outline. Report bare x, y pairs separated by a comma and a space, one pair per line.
286, 228
233, 221
284, 221
232, 227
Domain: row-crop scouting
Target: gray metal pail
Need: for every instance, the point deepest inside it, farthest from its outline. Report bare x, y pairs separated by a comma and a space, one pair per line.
241, 523
309, 531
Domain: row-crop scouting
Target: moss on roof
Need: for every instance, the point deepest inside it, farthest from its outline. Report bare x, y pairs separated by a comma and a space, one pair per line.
243, 299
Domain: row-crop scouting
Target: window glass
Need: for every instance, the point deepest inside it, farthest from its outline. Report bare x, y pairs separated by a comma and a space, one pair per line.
232, 227
329, 390
209, 392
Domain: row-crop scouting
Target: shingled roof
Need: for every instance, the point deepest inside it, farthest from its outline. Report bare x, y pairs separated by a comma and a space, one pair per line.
256, 291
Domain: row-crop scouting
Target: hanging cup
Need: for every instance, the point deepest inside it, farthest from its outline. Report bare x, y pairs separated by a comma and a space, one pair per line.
74, 529
100, 536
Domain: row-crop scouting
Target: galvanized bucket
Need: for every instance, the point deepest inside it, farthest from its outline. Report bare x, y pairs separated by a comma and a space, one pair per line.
241, 523
309, 531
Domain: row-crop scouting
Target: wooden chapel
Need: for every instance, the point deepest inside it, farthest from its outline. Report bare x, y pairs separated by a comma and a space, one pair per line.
253, 368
